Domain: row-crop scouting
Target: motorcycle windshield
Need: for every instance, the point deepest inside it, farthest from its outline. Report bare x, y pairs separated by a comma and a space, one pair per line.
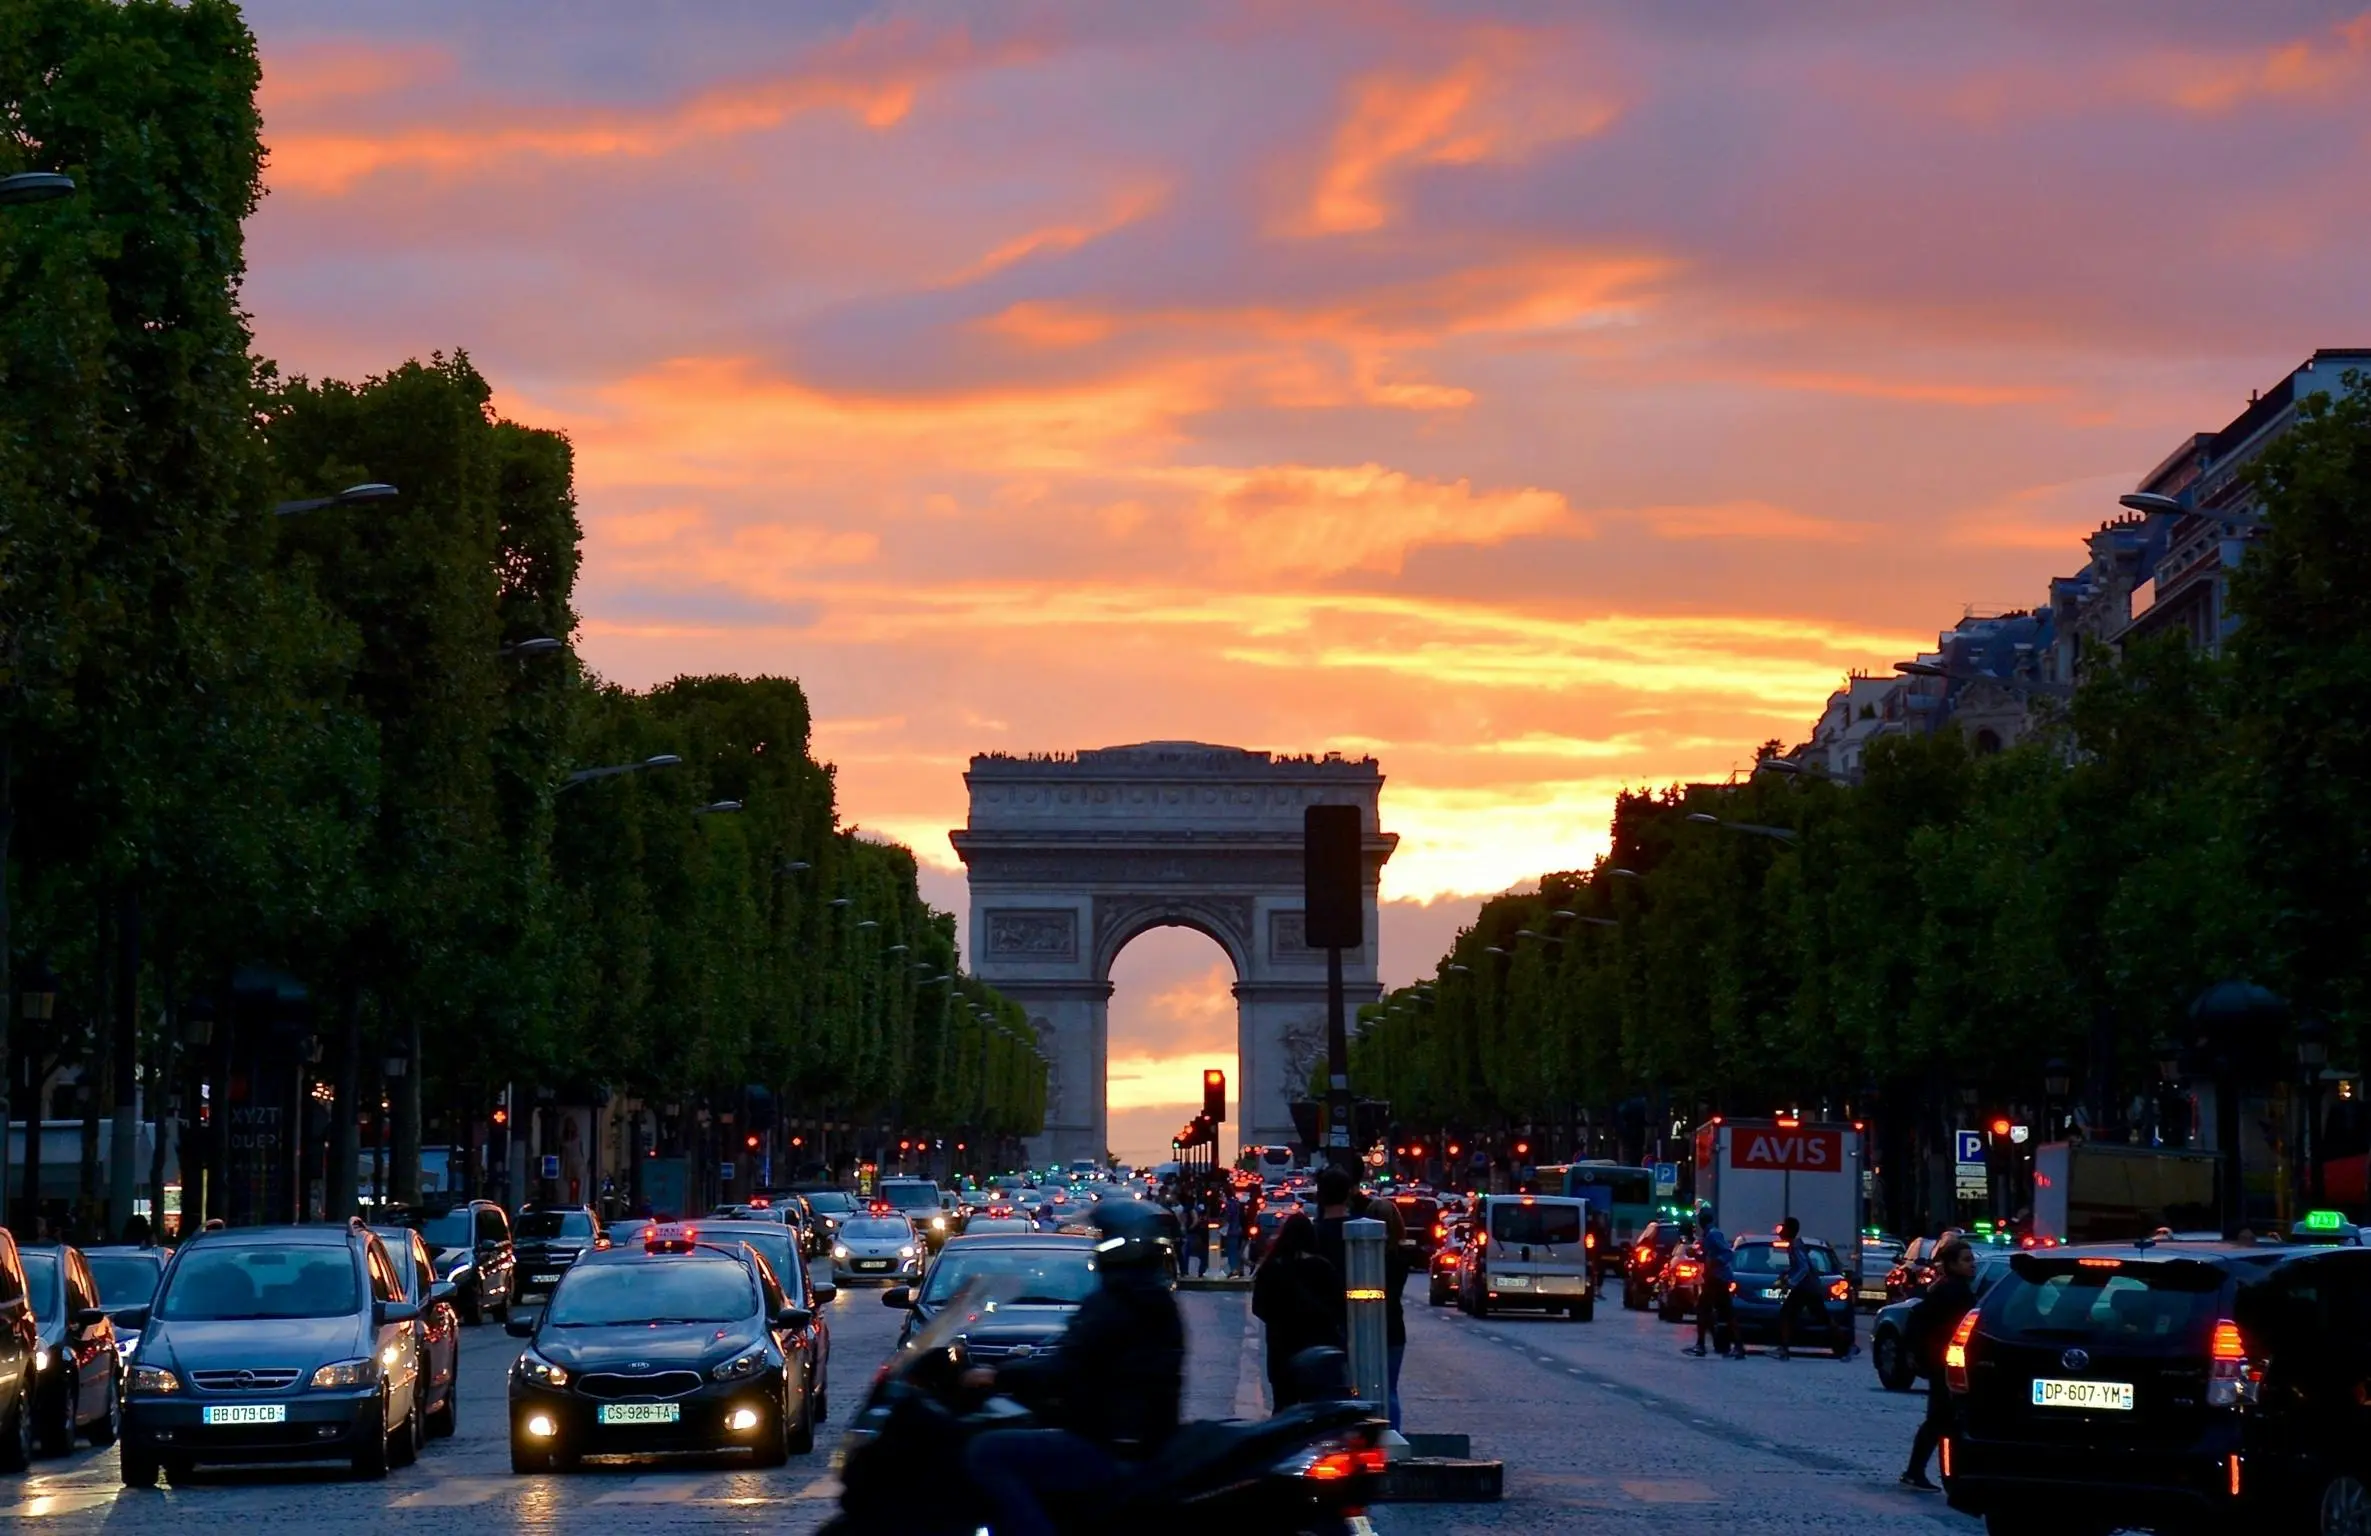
977, 1298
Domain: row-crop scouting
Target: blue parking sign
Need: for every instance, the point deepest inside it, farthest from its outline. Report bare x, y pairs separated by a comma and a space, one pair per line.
1971, 1146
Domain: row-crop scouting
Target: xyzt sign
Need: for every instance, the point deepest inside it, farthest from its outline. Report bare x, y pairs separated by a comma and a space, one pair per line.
1803, 1150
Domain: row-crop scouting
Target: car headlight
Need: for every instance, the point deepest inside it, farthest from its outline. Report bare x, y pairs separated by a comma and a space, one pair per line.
533, 1367
41, 1358
739, 1366
906, 1252
152, 1378
839, 1250
347, 1373
938, 1223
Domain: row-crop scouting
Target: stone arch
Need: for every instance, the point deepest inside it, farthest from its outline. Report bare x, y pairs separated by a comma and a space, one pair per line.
1072, 857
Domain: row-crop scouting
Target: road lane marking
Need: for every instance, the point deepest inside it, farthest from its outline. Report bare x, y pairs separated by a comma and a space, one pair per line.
68, 1501
453, 1493
825, 1487
1251, 1402
1678, 1491
652, 1490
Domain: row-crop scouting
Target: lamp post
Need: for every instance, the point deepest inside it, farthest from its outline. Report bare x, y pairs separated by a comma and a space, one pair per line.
2313, 1054
352, 495
540, 645
34, 187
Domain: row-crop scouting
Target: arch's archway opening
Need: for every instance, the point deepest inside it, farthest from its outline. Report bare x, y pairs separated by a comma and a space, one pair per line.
1172, 1014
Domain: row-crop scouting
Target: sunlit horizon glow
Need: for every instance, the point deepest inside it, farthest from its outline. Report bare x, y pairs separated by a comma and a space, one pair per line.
1547, 400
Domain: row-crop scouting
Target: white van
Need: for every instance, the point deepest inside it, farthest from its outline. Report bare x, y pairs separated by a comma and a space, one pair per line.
1530, 1251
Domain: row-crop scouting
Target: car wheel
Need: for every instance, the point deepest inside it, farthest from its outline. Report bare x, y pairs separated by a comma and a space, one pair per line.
180, 1470
2010, 1522
2346, 1507
1585, 1311
447, 1416
1481, 1306
410, 1435
823, 1402
1893, 1368
802, 1434
1841, 1345
16, 1444
110, 1426
1440, 1296
1666, 1311
473, 1307
57, 1435
370, 1451
139, 1471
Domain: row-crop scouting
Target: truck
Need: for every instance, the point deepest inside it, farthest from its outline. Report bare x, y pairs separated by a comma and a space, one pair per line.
2093, 1192
1758, 1172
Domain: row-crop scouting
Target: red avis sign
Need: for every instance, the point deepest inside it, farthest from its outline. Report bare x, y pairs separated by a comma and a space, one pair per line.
1803, 1150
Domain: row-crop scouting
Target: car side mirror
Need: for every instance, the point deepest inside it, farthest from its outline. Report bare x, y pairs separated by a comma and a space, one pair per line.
521, 1325
824, 1291
88, 1318
793, 1318
132, 1319
390, 1312
899, 1296
441, 1292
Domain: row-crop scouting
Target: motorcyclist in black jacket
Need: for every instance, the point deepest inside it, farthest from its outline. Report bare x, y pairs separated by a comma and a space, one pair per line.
1117, 1376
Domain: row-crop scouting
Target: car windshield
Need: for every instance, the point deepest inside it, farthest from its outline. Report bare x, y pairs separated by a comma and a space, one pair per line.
911, 1197
539, 1225
1536, 1225
125, 1280
1771, 1259
1032, 1276
399, 1254
2127, 1303
227, 1284
876, 1230
451, 1230
668, 1291
831, 1202
41, 1276
776, 1245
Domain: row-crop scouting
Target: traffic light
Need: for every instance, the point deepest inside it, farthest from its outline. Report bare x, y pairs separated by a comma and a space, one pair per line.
501, 1115
1214, 1096
750, 1141
2000, 1127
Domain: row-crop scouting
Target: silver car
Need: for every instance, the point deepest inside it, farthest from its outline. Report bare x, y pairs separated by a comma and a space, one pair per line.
884, 1248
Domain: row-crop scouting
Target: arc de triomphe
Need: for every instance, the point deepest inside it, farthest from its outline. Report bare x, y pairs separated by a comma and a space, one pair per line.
1070, 857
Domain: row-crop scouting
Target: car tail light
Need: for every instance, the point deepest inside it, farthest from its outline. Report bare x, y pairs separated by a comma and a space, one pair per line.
1946, 1449
1343, 1462
2231, 1378
1588, 1240
1685, 1271
1840, 1290
1959, 1352
1644, 1254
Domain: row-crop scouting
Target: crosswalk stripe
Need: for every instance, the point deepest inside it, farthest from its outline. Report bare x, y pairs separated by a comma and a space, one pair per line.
454, 1493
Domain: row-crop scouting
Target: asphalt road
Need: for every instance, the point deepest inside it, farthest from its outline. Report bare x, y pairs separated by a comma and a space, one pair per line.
1603, 1426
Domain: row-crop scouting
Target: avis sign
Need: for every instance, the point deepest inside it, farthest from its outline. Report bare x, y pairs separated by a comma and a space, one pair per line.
1806, 1149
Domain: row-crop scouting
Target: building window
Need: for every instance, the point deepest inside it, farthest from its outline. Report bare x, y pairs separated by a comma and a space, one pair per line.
1988, 741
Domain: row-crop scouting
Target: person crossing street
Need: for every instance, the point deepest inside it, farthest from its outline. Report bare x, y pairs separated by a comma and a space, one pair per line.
1716, 1315
1930, 1328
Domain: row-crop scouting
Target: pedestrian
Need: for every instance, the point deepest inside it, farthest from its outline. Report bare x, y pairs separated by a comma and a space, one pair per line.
1716, 1312
1399, 1255
1298, 1296
1230, 1232
135, 1232
1201, 1230
1801, 1282
1932, 1323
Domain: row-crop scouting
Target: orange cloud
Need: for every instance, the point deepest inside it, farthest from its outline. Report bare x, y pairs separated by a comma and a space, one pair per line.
1928, 391
1481, 109
1323, 520
2312, 69
1750, 520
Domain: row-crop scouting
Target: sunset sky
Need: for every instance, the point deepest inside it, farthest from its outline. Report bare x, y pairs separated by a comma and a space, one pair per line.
1543, 397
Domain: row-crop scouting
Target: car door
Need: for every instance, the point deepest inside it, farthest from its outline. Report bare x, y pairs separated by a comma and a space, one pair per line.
394, 1343
497, 1258
795, 1360
440, 1327
94, 1347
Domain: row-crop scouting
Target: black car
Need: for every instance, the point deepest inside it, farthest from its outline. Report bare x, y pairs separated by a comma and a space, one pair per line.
827, 1208
470, 1245
917, 1200
778, 1245
78, 1372
1643, 1260
677, 1344
2164, 1387
127, 1280
269, 1344
1049, 1275
1889, 1329
19, 1338
437, 1334
548, 1239
1758, 1293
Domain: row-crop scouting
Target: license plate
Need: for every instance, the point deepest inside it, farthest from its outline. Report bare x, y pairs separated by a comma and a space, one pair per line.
1773, 1292
543, 1279
872, 1263
1514, 1282
2114, 1395
247, 1413
641, 1413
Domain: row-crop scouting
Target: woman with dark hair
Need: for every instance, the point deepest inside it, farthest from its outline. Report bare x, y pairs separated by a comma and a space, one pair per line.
1297, 1294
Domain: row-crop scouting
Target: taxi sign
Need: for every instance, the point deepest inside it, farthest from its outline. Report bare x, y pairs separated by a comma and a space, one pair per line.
669, 1238
2324, 1221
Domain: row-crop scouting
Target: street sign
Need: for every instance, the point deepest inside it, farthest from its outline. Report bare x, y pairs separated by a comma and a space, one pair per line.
1971, 1147
1666, 1179
551, 1165
1972, 1186
724, 1172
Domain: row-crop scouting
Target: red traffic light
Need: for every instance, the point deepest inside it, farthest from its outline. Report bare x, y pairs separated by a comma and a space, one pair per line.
2000, 1127
750, 1142
1214, 1095
1522, 1149
501, 1115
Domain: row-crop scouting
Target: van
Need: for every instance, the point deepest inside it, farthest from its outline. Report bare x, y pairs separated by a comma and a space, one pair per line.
1530, 1251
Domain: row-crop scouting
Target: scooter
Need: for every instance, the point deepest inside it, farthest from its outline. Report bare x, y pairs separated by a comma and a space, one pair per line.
1311, 1470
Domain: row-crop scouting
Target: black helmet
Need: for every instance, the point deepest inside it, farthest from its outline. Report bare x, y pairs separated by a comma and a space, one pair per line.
1704, 1212
1128, 1235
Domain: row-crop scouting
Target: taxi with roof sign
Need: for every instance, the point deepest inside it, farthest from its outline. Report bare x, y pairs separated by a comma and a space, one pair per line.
677, 1344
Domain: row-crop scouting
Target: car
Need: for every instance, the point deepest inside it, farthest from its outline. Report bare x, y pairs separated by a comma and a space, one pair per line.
1879, 1254
77, 1368
1643, 1260
19, 1338
918, 1201
884, 1248
677, 1344
830, 1207
1422, 1216
1679, 1285
996, 1219
470, 1244
1889, 1329
1448, 1259
2189, 1386
1045, 1277
550, 1238
437, 1333
270, 1344
1756, 1295
1530, 1251
127, 1280
778, 1247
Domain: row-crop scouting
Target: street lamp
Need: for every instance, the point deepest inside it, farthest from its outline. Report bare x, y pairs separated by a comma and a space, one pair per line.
587, 775
541, 645
369, 490
1750, 828
794, 866
1792, 768
34, 187
717, 808
2149, 501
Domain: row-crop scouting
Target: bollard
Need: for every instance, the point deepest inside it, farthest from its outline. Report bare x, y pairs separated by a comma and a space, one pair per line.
1370, 1359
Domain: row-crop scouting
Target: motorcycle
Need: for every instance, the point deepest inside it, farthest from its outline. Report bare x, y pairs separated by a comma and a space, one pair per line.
1311, 1470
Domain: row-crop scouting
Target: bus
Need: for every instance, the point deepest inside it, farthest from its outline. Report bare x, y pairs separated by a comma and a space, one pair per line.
1270, 1163
1625, 1195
